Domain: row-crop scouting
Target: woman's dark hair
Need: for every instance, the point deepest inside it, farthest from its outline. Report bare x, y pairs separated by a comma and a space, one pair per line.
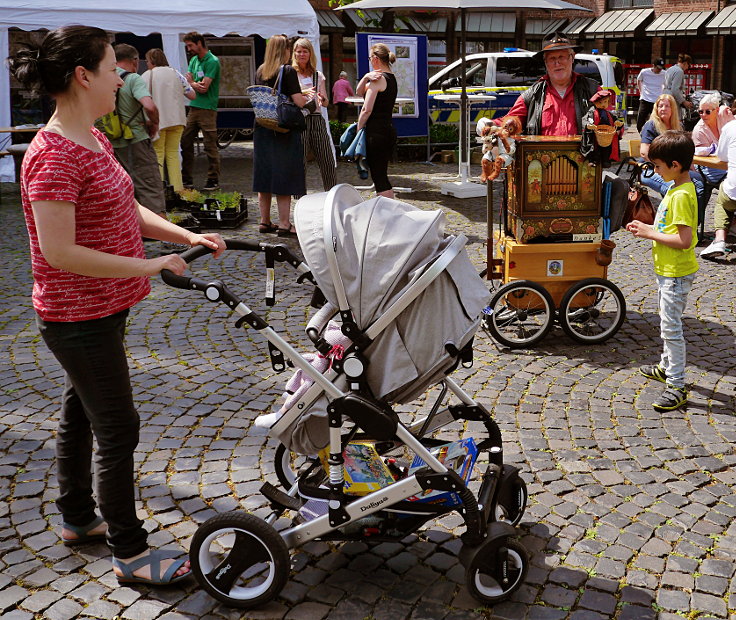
157, 57
49, 68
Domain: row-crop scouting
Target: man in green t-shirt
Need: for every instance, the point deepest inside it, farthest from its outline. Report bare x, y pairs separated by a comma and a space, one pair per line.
136, 109
204, 77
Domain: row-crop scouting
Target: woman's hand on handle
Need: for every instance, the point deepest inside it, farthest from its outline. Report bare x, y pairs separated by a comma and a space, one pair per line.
213, 241
172, 262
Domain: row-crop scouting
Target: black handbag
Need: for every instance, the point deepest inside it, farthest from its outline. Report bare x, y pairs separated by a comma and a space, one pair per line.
290, 115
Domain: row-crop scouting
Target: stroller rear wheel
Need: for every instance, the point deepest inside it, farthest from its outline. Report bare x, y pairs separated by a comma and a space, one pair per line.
240, 559
521, 314
497, 570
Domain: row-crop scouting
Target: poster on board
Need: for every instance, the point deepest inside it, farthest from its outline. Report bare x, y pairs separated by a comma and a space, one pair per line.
410, 118
405, 70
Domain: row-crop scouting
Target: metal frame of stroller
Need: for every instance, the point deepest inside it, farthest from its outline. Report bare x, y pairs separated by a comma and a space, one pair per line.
243, 560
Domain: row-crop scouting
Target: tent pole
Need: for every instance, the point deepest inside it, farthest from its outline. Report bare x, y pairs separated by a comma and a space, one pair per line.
464, 155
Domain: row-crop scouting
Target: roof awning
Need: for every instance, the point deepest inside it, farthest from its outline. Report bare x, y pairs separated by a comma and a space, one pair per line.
618, 23
576, 27
543, 27
724, 22
329, 21
405, 22
437, 24
488, 23
370, 18
673, 24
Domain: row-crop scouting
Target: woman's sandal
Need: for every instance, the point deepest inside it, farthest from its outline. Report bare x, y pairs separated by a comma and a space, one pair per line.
153, 559
267, 228
83, 533
286, 232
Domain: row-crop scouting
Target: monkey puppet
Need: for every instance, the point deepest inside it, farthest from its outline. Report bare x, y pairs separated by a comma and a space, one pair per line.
498, 147
594, 145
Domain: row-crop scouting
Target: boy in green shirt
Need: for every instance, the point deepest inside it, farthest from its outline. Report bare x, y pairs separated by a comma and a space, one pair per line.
673, 241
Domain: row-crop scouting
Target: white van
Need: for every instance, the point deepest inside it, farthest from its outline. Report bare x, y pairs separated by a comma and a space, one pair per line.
507, 74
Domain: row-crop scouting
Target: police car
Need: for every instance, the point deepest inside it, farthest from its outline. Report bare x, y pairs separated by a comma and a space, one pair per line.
506, 75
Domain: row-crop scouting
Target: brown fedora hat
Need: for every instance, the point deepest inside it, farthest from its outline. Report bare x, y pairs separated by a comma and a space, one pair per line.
554, 43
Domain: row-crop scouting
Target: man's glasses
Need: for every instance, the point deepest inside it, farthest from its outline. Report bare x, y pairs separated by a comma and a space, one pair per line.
704, 112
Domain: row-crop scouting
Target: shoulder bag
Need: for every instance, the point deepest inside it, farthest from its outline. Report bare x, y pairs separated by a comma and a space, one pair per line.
289, 114
264, 101
639, 206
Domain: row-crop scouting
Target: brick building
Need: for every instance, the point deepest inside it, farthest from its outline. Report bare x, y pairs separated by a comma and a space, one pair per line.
634, 30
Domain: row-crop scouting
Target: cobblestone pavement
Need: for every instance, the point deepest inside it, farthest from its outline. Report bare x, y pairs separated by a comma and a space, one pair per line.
631, 511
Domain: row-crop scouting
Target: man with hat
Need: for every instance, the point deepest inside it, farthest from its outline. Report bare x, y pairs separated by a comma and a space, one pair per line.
556, 104
649, 82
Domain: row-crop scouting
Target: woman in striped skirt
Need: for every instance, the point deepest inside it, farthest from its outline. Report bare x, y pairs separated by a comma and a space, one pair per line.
316, 137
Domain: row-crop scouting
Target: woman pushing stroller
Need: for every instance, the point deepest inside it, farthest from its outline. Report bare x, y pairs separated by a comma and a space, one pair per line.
89, 269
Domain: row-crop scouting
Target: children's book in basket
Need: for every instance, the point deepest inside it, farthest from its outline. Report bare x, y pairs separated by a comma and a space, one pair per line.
365, 471
459, 456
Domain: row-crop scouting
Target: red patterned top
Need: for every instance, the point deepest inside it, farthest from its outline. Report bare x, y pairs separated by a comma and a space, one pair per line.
55, 168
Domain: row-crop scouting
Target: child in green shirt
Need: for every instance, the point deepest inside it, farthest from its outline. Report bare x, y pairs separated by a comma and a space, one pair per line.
673, 241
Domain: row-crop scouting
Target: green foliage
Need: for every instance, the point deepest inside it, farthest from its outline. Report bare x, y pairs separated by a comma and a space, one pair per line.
227, 200
337, 129
439, 132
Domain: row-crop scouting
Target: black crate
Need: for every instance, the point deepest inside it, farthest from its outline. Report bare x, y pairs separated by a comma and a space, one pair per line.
222, 219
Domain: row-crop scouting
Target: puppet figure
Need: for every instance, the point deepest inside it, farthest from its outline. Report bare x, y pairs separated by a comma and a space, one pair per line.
498, 146
601, 131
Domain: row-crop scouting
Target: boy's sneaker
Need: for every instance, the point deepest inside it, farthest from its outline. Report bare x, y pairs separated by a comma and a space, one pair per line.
211, 184
655, 372
716, 248
672, 398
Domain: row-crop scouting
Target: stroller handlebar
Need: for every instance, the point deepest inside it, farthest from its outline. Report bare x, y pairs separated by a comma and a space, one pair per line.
274, 253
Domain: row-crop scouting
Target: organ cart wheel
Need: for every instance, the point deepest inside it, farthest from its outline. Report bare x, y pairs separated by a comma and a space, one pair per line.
497, 570
521, 314
592, 310
239, 559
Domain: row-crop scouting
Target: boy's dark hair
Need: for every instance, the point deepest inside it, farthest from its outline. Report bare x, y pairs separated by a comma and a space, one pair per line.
673, 146
123, 51
195, 37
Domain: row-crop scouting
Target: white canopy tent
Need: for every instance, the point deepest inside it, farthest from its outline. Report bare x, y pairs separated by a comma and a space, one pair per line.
142, 17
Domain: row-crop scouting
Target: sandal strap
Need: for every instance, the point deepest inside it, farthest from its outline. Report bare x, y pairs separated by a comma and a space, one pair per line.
83, 530
153, 559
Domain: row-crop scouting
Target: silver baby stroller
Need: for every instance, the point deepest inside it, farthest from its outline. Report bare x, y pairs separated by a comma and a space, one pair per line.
408, 302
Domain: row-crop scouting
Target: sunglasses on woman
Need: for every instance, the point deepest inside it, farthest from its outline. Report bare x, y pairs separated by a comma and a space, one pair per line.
704, 112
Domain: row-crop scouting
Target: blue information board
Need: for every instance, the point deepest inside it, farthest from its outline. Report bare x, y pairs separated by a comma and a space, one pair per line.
411, 76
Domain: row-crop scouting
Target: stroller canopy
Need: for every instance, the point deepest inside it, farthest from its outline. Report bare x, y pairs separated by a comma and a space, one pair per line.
378, 247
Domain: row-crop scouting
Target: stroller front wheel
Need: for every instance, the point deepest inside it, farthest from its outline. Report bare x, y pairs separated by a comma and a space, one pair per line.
239, 559
497, 570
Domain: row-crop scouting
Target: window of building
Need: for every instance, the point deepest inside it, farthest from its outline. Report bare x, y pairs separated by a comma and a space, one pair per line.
630, 4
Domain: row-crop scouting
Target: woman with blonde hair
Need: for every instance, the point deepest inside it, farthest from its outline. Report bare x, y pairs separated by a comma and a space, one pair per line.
278, 160
379, 89
664, 116
168, 88
316, 137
